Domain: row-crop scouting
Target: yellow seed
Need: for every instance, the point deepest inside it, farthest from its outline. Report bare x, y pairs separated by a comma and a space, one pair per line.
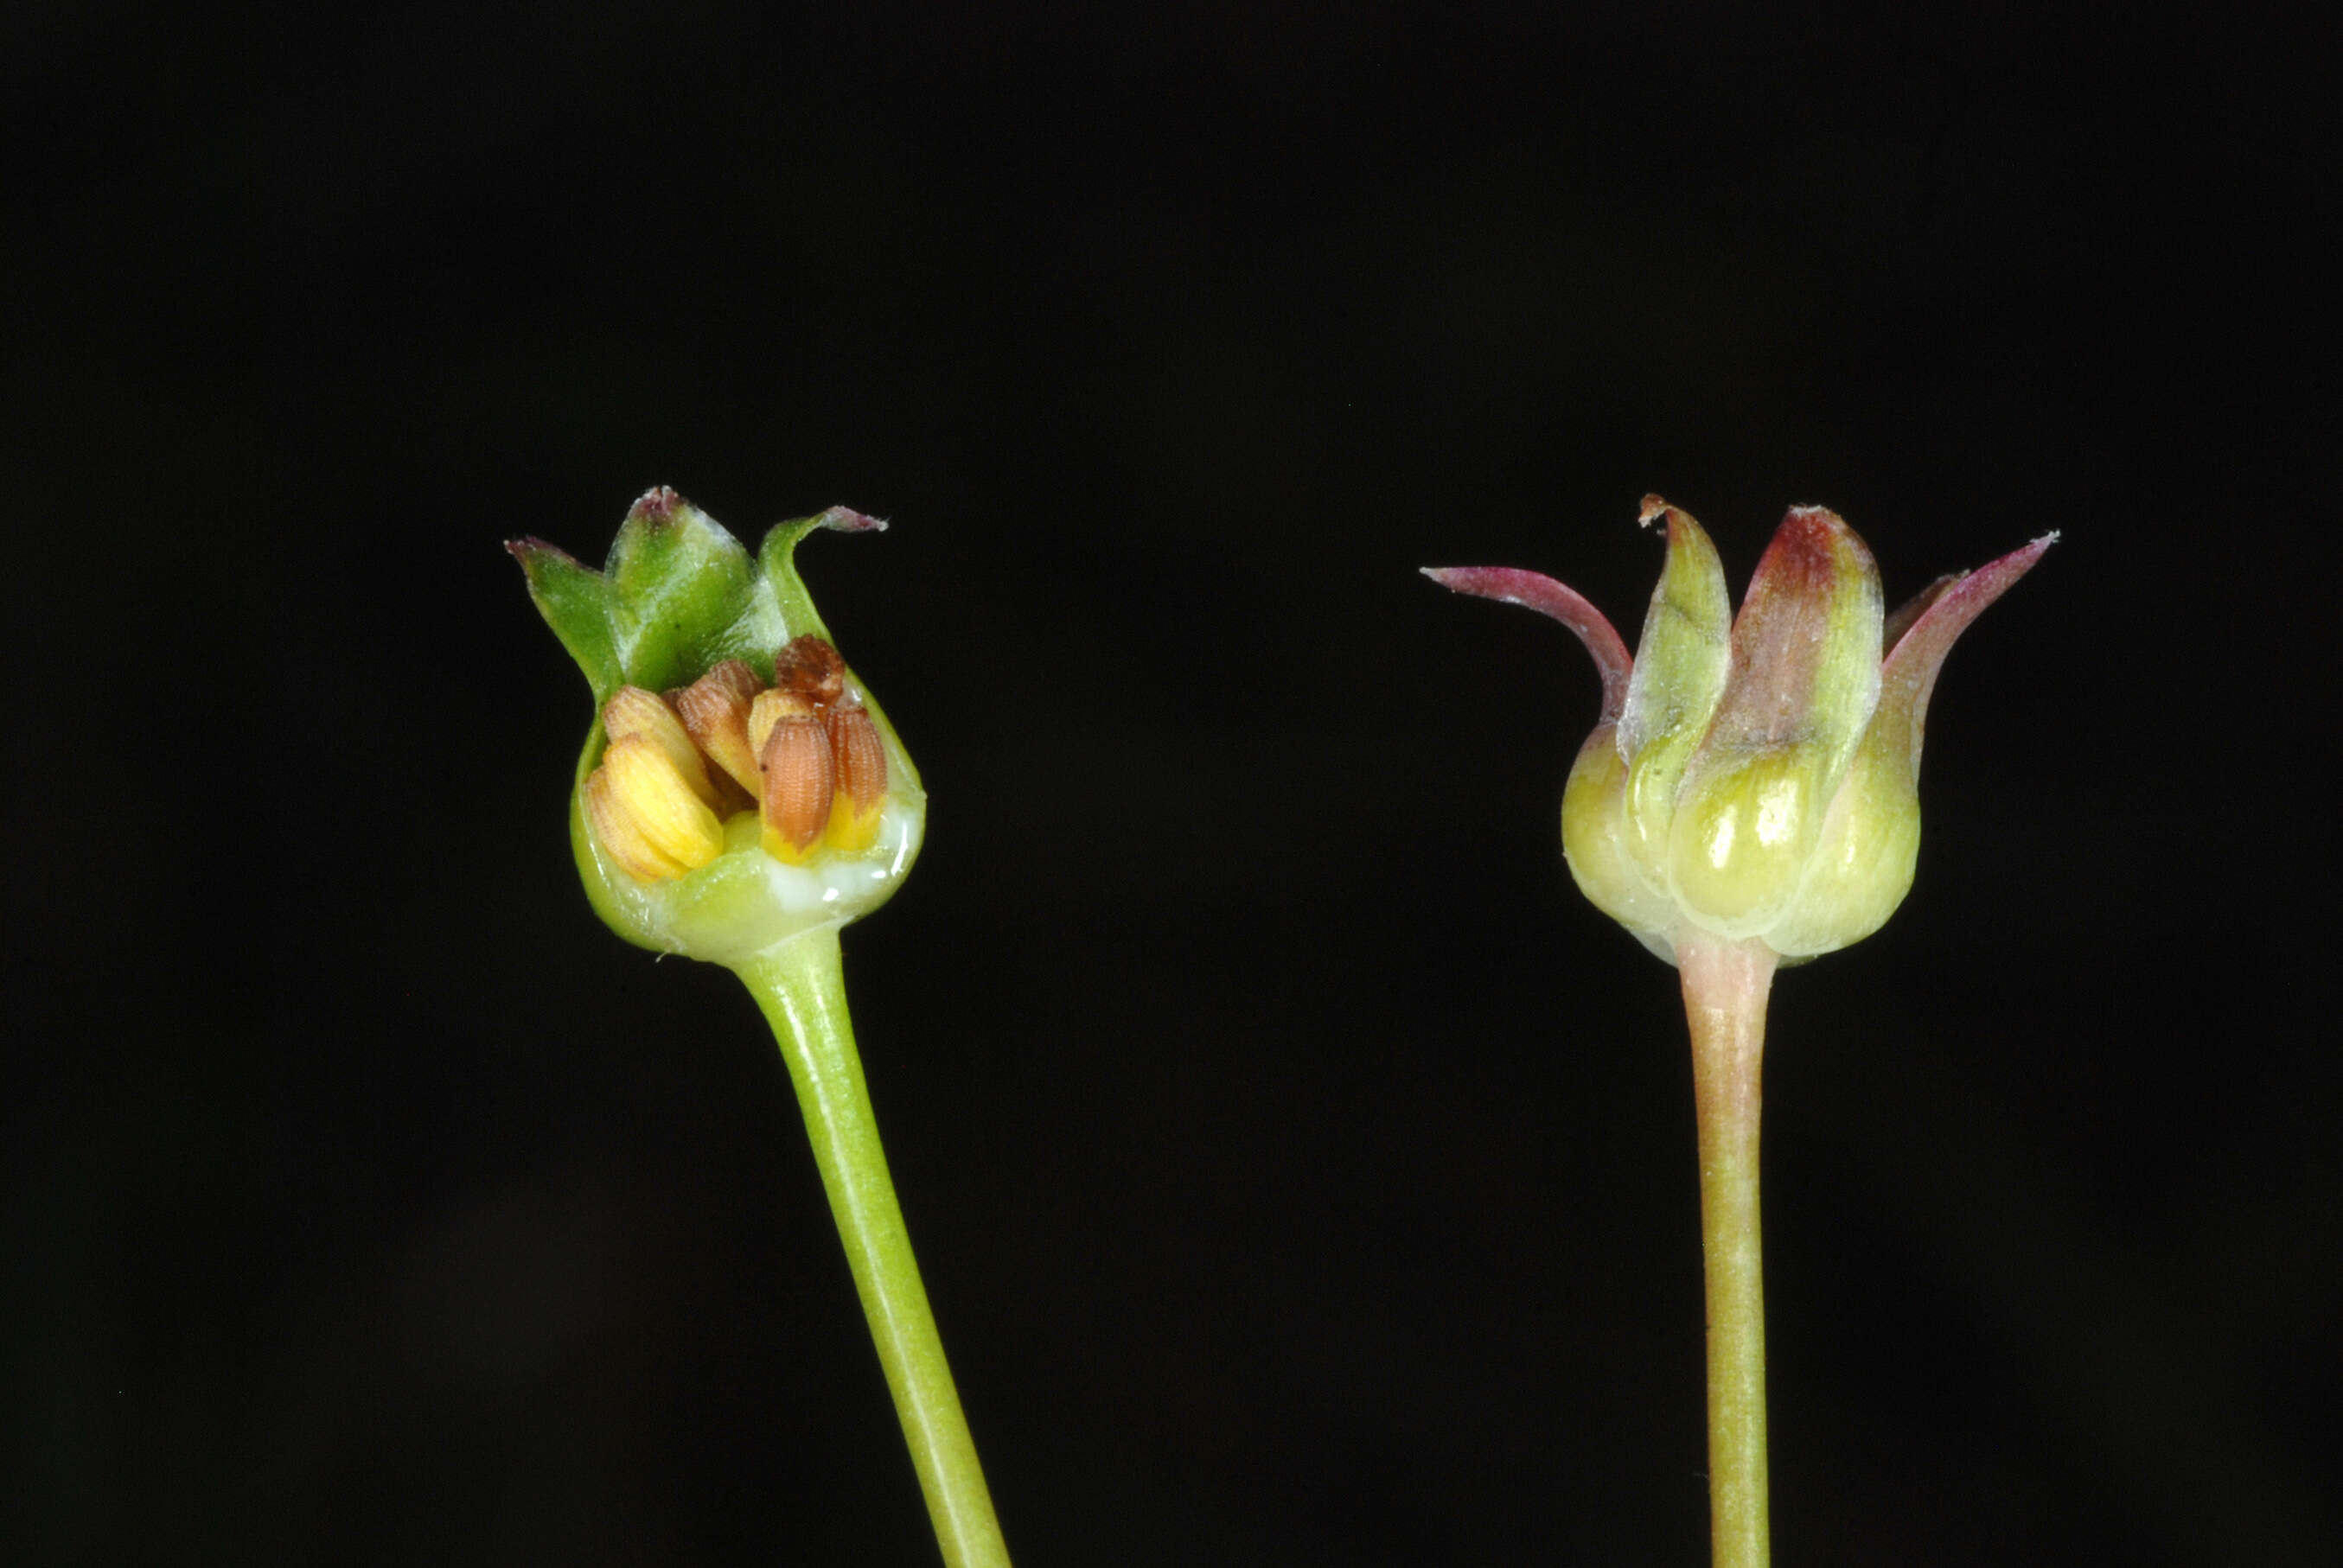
620, 839
860, 760
633, 711
654, 800
800, 779
715, 713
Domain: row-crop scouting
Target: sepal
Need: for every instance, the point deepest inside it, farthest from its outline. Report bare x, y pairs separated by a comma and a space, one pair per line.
1682, 661
1804, 680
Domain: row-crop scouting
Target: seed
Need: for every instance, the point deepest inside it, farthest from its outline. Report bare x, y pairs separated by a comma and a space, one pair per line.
769, 709
715, 713
861, 763
654, 799
800, 780
633, 711
810, 669
621, 838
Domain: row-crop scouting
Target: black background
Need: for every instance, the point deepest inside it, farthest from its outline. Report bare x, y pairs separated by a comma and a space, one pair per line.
1303, 1170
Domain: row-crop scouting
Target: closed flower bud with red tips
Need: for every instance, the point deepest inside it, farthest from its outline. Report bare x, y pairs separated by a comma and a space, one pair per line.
1755, 776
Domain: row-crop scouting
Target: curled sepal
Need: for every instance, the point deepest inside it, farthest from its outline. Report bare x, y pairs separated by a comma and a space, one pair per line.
1531, 590
1804, 680
678, 595
671, 818
1908, 678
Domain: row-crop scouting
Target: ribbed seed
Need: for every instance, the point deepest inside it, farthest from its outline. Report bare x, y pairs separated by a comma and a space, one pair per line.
860, 758
734, 676
633, 711
800, 779
654, 800
620, 839
714, 710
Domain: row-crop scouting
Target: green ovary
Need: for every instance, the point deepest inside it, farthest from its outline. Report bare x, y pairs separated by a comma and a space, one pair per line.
1862, 864
1739, 843
1601, 846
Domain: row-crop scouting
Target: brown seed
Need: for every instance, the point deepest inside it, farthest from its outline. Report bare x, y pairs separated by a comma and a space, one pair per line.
861, 762
801, 779
810, 669
715, 713
861, 756
735, 675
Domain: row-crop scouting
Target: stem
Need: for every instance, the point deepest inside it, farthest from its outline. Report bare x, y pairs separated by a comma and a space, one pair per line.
801, 989
1724, 987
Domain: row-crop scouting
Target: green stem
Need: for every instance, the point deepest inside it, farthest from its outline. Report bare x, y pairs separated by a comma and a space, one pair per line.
1725, 988
801, 989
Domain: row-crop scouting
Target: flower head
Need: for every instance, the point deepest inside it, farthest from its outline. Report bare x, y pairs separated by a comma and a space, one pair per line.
1755, 776
739, 785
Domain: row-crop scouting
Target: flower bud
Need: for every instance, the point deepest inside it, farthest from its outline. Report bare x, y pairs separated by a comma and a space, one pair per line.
706, 824
1755, 776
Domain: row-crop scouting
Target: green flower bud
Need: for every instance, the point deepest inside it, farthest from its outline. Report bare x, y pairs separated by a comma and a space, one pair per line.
1755, 776
739, 785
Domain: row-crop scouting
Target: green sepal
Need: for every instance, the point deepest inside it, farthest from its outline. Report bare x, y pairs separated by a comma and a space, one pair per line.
1681, 662
1804, 682
785, 592
575, 600
1682, 657
679, 595
680, 592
